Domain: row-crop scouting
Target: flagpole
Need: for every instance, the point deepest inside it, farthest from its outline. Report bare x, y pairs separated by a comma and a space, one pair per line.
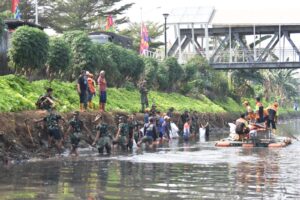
36, 12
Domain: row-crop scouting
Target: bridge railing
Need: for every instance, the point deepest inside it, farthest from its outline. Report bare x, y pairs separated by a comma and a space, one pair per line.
259, 55
157, 55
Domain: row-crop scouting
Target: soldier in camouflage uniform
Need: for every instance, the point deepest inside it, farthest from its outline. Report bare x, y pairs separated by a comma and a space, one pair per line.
53, 129
134, 126
103, 138
144, 95
195, 123
76, 126
122, 137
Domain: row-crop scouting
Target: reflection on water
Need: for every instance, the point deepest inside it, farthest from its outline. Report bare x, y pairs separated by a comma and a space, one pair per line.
179, 171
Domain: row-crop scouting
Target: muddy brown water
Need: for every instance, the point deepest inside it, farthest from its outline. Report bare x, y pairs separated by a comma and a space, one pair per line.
195, 170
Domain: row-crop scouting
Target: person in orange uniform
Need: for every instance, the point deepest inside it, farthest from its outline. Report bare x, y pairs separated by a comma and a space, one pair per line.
91, 89
249, 114
259, 111
102, 91
272, 116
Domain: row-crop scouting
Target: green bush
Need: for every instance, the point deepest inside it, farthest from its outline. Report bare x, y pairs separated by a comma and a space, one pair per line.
151, 71
59, 55
29, 48
175, 73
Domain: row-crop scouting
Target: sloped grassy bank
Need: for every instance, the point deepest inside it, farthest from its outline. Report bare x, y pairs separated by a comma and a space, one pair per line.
17, 94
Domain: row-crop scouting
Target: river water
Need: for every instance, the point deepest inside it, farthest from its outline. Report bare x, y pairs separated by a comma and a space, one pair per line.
197, 170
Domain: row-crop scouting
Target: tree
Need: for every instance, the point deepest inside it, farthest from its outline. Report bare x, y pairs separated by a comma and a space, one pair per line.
81, 51
127, 64
155, 30
151, 72
175, 73
63, 15
59, 57
29, 48
280, 84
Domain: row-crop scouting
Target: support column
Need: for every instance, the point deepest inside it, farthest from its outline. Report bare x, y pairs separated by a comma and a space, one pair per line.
230, 52
193, 39
292, 44
206, 42
179, 43
279, 40
254, 43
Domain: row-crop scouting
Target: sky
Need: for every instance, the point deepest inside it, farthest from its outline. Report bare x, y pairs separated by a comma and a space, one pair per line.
227, 11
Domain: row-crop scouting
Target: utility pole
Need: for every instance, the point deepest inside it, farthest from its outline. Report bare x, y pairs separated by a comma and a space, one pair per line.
36, 12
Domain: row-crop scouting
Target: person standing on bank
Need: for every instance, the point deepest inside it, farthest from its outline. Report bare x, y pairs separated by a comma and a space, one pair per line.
82, 89
91, 90
102, 91
144, 95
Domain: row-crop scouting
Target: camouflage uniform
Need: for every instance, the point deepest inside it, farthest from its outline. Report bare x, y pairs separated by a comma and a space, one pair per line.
75, 136
195, 125
43, 103
144, 98
124, 134
133, 132
52, 125
105, 138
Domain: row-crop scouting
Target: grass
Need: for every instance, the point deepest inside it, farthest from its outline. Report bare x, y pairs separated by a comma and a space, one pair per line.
17, 94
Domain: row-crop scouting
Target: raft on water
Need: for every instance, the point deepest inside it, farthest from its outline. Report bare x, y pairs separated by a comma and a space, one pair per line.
256, 138
271, 143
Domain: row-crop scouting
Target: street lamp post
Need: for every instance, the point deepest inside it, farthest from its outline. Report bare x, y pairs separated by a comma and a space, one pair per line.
36, 12
166, 16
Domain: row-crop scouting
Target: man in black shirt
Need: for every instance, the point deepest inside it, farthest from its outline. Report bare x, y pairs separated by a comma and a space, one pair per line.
82, 89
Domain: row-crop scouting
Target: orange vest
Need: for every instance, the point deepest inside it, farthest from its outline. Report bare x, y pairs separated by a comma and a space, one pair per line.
91, 84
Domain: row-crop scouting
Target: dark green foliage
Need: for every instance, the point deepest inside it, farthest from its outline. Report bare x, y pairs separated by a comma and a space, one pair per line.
104, 61
163, 78
82, 52
120, 64
74, 14
29, 48
174, 73
151, 72
59, 57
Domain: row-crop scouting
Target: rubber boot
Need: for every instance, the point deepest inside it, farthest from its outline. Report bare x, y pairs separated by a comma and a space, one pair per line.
90, 105
85, 106
103, 107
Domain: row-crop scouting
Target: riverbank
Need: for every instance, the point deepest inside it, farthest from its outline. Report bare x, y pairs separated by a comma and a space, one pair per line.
21, 138
18, 94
